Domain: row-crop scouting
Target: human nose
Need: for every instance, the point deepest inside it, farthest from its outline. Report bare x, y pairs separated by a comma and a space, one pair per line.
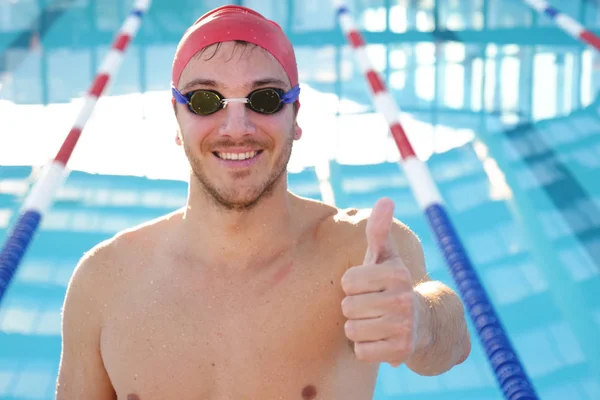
237, 120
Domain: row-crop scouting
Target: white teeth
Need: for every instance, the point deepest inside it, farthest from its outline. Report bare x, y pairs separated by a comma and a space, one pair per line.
237, 156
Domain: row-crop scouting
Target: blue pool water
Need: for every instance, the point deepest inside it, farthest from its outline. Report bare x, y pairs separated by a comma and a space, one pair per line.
502, 105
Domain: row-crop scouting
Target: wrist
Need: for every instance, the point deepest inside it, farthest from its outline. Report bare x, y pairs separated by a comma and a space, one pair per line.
425, 312
441, 336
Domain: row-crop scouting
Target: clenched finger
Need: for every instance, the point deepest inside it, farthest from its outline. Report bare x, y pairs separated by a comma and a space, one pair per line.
395, 350
373, 305
374, 329
376, 278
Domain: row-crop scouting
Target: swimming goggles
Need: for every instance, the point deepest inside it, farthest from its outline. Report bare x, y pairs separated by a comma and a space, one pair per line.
263, 101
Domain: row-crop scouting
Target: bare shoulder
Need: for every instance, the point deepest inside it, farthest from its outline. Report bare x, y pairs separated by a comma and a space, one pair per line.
91, 298
98, 267
350, 225
355, 220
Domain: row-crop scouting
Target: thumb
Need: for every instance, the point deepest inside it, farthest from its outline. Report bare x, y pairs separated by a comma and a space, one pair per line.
380, 245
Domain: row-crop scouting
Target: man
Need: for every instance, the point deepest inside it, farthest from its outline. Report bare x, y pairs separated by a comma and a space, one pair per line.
250, 292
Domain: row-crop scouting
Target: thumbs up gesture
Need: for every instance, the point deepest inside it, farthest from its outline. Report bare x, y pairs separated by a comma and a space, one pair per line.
380, 304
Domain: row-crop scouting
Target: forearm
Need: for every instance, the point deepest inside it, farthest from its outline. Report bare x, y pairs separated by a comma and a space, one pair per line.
442, 337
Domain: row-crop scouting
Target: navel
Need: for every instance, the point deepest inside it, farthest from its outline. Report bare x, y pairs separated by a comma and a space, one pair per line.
309, 392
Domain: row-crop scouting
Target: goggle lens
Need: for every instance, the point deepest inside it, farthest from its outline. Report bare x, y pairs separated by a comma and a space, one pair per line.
204, 102
265, 101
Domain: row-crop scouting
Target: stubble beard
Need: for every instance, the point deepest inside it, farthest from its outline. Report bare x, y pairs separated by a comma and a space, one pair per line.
230, 198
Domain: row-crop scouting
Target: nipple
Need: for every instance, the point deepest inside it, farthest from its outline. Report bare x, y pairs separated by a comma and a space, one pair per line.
309, 392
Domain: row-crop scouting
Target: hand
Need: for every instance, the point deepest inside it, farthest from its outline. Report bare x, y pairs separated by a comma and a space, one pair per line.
380, 303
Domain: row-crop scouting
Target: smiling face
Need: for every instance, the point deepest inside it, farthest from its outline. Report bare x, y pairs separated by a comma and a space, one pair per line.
237, 155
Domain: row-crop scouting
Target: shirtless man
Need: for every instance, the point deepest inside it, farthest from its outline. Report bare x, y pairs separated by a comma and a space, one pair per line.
249, 291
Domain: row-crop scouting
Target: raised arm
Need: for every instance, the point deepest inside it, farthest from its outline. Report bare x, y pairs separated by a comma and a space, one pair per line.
396, 314
81, 373
442, 337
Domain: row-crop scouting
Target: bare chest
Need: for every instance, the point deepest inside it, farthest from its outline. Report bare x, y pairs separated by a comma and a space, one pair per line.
179, 337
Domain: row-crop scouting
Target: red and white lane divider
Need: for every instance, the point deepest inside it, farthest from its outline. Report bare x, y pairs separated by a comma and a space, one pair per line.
41, 196
566, 23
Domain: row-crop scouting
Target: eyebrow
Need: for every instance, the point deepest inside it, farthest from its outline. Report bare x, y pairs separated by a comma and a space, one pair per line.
268, 81
214, 84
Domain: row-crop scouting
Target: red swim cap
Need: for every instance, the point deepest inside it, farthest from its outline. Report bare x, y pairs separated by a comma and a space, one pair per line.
235, 23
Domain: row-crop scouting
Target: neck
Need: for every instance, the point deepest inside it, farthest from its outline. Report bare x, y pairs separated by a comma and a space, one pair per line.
219, 236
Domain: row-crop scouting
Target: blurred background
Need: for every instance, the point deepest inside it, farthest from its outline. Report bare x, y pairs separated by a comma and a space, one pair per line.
499, 102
